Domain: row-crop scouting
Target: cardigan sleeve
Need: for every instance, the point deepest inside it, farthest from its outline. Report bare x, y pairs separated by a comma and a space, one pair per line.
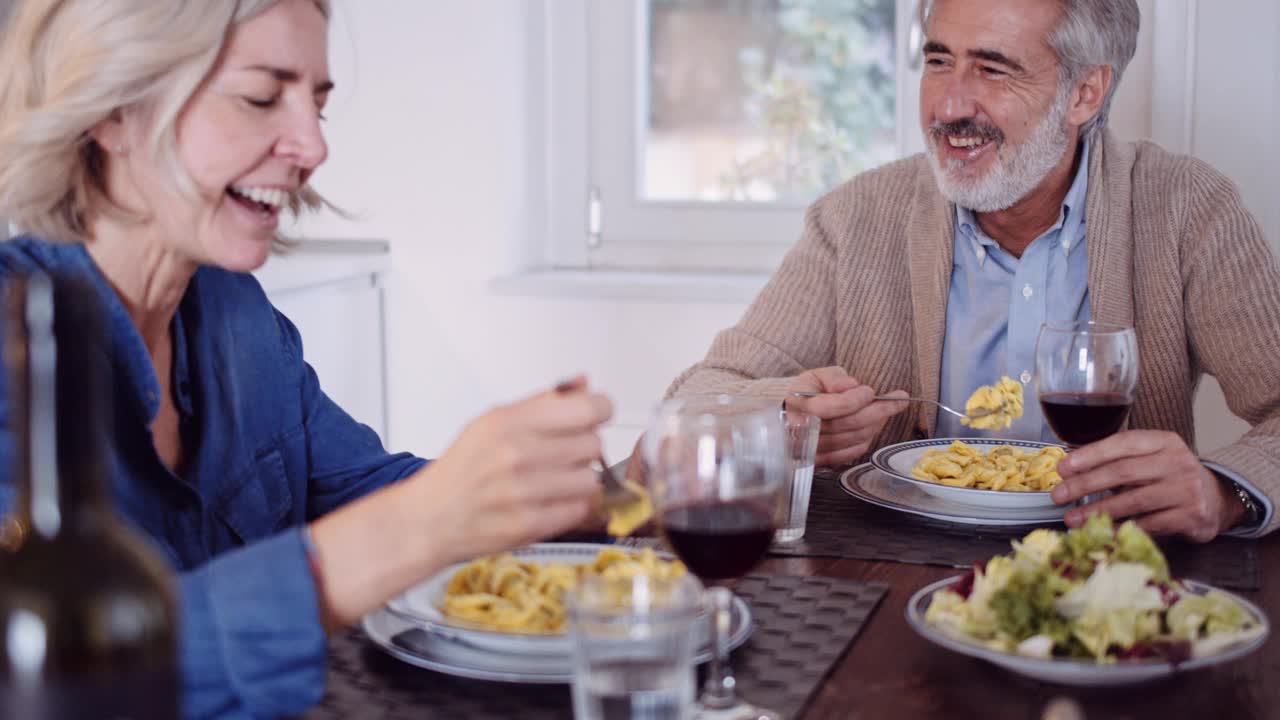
1231, 287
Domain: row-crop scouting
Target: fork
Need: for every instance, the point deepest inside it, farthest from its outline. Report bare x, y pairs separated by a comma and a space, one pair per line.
984, 413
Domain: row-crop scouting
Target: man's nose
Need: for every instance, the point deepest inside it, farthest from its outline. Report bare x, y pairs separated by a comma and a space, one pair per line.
958, 101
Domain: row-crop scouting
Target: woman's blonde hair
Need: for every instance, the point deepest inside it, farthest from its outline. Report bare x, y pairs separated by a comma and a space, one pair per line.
68, 65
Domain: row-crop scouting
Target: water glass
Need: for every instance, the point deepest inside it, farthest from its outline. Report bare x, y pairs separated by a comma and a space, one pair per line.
802, 431
633, 645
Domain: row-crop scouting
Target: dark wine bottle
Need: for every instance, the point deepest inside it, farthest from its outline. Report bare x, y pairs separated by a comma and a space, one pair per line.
87, 613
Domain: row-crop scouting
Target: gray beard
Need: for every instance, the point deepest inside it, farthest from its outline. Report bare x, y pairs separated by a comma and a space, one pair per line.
1018, 169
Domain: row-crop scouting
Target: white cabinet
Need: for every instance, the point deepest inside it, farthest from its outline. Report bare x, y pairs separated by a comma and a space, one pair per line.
332, 291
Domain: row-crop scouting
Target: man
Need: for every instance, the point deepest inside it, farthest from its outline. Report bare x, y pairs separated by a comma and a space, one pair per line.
931, 276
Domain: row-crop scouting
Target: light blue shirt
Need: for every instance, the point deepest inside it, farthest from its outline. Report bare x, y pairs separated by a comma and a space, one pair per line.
998, 302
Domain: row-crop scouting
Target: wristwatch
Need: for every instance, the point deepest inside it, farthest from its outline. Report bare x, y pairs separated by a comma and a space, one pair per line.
1252, 513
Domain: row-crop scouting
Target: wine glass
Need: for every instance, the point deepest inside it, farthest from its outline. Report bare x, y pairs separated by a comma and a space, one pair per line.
716, 465
1086, 375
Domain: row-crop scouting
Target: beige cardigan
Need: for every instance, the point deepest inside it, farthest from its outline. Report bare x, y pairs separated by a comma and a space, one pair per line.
1172, 251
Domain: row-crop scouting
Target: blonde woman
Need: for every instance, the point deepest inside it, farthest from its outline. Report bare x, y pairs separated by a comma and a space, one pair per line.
151, 146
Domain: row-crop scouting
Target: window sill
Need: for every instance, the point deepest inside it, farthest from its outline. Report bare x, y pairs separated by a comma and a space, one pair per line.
632, 285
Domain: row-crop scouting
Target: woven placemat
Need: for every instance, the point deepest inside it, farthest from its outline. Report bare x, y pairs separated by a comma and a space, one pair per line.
840, 525
803, 625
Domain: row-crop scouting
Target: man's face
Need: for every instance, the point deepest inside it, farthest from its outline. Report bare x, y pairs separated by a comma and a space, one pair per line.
993, 116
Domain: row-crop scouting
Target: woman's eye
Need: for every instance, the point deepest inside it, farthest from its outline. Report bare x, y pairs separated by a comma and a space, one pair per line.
261, 102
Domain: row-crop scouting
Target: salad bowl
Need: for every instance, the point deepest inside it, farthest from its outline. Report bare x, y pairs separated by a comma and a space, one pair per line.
1094, 606
1084, 673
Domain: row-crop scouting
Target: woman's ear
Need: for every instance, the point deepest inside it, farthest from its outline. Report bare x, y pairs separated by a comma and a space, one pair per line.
111, 135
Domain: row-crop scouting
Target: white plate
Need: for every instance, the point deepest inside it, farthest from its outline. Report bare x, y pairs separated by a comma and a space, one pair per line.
1080, 672
897, 461
408, 641
868, 484
421, 604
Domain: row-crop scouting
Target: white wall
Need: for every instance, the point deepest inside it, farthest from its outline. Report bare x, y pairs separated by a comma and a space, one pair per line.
429, 140
430, 143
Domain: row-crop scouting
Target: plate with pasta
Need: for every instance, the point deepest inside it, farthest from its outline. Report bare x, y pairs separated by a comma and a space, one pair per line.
514, 602
985, 472
872, 486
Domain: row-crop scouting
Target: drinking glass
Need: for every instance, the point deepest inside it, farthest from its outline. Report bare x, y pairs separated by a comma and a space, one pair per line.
1086, 376
716, 466
632, 647
802, 431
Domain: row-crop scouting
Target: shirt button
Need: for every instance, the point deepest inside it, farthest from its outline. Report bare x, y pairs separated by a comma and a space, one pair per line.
1027, 292
1025, 377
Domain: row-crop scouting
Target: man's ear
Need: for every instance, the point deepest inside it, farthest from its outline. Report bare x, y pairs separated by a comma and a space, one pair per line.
1089, 94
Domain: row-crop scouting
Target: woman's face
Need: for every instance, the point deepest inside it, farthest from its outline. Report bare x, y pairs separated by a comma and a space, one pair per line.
249, 138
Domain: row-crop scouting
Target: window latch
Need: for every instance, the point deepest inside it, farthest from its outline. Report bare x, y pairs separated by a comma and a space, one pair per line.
594, 210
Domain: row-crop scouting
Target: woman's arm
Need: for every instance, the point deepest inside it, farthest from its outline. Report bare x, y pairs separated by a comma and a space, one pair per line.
517, 474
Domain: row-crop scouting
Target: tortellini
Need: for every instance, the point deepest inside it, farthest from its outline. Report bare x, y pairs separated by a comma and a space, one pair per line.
992, 407
1004, 467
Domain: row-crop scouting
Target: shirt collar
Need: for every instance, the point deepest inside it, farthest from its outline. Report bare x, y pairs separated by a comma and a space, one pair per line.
1071, 215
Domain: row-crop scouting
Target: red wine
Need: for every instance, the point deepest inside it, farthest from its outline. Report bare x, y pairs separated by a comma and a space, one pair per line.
86, 605
1082, 418
719, 540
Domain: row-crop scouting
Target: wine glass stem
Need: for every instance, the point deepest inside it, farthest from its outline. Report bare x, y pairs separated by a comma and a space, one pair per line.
718, 692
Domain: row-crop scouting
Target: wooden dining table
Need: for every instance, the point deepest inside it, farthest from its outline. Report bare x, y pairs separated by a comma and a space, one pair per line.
891, 672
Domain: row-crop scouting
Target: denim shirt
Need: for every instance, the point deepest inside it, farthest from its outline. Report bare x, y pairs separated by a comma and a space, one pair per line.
997, 303
265, 452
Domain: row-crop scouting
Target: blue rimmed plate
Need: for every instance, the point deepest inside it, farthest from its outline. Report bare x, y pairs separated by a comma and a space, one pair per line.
897, 460
869, 484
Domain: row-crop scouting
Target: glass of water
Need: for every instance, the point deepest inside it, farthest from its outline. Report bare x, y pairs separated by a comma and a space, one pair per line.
633, 645
802, 445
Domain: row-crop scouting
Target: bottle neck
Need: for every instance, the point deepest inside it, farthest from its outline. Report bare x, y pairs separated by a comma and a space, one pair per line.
60, 382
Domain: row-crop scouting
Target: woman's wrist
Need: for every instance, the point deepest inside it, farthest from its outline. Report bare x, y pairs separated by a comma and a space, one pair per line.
372, 549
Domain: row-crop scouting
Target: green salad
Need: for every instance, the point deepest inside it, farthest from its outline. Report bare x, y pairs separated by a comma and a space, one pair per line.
1095, 592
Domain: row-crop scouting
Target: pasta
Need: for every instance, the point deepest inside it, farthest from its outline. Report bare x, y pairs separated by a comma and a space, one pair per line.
624, 519
505, 593
1004, 467
992, 407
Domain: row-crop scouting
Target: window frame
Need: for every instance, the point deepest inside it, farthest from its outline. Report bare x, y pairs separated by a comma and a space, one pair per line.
574, 162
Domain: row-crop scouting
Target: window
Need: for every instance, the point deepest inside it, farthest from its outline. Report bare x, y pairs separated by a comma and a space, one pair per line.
691, 134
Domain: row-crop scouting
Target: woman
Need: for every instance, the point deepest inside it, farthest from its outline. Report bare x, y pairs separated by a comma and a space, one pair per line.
151, 146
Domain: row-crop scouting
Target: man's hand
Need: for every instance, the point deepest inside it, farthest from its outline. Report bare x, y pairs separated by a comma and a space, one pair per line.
851, 418
1156, 479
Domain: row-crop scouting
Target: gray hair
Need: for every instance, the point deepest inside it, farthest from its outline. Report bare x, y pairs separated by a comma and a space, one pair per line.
1090, 33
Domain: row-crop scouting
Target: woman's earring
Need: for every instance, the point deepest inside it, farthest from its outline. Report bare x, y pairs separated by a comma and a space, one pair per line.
120, 150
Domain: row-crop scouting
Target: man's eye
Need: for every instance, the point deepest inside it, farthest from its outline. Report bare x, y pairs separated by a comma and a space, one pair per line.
935, 62
993, 72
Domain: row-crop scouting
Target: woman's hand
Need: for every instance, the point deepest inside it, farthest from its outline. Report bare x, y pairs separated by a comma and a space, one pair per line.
517, 474
520, 473
851, 417
1156, 479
